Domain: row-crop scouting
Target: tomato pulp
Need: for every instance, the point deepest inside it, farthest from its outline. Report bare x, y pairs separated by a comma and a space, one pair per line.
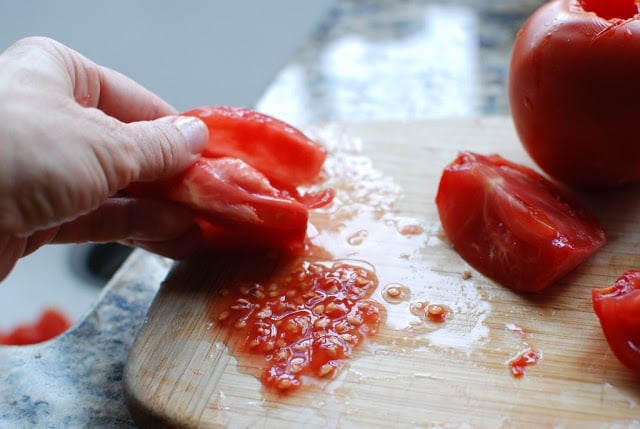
512, 224
618, 309
305, 321
573, 91
244, 189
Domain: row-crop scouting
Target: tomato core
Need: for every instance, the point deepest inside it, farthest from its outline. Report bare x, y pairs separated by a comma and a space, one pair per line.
611, 9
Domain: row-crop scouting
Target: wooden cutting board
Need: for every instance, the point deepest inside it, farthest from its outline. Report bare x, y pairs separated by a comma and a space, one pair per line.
183, 370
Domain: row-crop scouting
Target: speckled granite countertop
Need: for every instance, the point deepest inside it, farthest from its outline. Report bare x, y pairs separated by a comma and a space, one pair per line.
368, 60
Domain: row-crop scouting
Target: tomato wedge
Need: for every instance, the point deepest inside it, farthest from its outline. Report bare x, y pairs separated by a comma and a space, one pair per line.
244, 188
512, 224
281, 152
618, 309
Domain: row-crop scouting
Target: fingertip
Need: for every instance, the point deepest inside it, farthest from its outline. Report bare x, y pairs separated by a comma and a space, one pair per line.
194, 131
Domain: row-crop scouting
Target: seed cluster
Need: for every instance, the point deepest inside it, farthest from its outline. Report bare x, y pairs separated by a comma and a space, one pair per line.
305, 323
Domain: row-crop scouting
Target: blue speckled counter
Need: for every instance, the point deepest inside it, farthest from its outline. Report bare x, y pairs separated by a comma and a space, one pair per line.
367, 60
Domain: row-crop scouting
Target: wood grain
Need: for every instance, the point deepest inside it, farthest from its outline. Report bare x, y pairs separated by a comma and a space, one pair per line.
182, 371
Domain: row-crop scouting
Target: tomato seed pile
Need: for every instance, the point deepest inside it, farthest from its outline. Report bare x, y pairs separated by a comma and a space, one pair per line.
305, 324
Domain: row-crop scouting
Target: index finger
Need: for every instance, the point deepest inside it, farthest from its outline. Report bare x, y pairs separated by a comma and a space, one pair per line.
127, 100
93, 85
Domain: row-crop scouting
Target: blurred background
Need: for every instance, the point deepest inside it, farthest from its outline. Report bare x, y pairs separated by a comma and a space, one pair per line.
191, 53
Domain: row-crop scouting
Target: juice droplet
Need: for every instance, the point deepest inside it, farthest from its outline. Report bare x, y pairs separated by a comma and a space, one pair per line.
411, 229
417, 308
394, 293
437, 313
357, 238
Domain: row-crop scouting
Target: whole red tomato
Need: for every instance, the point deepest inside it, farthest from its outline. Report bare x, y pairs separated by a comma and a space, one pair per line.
618, 308
573, 91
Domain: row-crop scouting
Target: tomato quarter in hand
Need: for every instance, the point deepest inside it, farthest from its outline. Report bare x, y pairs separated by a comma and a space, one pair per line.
573, 91
244, 188
512, 224
618, 309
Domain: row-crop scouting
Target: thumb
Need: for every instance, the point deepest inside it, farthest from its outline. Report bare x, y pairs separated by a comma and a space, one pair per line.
167, 146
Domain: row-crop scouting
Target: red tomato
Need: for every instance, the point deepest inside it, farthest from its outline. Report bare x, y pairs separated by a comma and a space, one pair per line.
573, 91
609, 9
618, 308
244, 187
512, 224
50, 324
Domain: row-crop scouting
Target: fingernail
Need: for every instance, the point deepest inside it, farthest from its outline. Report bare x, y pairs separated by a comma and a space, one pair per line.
194, 131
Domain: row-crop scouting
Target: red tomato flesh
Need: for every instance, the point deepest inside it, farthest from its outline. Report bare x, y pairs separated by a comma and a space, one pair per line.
610, 9
618, 309
244, 188
50, 324
512, 224
281, 152
306, 322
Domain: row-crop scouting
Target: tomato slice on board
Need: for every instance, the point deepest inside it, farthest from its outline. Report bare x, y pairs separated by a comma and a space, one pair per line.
244, 188
512, 224
618, 309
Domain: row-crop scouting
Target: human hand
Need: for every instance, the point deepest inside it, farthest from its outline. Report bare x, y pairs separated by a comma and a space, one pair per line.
73, 134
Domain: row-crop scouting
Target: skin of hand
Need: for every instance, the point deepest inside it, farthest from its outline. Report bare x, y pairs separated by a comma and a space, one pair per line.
72, 135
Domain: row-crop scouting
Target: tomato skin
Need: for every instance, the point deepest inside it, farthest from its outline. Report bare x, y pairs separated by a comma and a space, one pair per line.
618, 310
573, 92
512, 224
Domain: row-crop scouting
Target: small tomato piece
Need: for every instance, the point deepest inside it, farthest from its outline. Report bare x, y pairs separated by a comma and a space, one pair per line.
512, 224
618, 309
573, 92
